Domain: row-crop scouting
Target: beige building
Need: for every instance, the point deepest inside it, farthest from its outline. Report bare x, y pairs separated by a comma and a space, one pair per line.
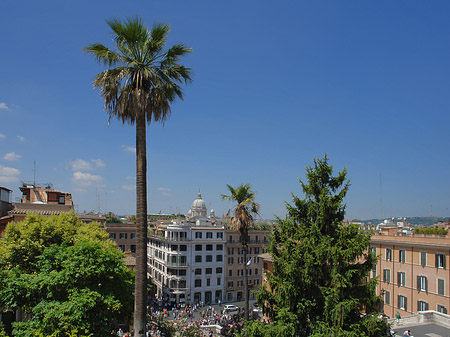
124, 235
235, 264
413, 272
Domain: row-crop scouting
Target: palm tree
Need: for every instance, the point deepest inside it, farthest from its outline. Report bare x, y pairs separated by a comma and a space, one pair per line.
243, 220
140, 82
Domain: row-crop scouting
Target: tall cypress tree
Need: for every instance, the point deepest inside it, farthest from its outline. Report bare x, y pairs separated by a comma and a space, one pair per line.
319, 282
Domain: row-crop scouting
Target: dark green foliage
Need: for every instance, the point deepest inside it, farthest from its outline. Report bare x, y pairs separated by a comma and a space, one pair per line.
319, 281
66, 276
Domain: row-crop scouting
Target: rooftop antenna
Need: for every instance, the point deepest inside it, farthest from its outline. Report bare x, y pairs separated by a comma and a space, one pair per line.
381, 198
34, 174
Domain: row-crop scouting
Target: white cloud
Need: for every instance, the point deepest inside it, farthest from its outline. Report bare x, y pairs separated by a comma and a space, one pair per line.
11, 156
80, 164
129, 149
8, 174
98, 162
21, 138
129, 187
2, 136
130, 178
3, 106
164, 191
86, 179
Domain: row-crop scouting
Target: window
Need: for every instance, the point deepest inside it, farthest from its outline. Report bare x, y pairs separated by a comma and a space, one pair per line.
423, 259
441, 308
441, 287
112, 236
388, 254
374, 270
219, 281
122, 248
256, 271
239, 251
230, 284
208, 258
256, 282
133, 248
219, 235
230, 272
240, 272
182, 272
198, 235
240, 283
198, 271
422, 283
198, 258
219, 247
387, 275
219, 258
173, 247
240, 259
373, 250
230, 260
209, 235
122, 235
61, 200
387, 297
401, 278
402, 255
198, 248
422, 306
230, 251
402, 302
208, 282
256, 250
230, 240
219, 270
208, 271
440, 261
198, 283
256, 238
183, 248
209, 247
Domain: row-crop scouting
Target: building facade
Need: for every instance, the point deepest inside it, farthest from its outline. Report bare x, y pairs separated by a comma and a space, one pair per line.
235, 266
413, 272
124, 235
186, 258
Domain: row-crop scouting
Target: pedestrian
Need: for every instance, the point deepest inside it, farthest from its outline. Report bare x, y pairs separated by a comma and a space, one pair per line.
407, 333
120, 332
397, 317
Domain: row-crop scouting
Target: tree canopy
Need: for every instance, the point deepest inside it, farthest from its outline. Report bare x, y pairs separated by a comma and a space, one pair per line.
318, 285
64, 275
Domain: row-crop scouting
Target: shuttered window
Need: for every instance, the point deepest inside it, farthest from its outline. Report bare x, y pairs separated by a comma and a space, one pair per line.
441, 287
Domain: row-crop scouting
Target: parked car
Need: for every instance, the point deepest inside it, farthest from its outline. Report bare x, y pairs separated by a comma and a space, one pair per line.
231, 308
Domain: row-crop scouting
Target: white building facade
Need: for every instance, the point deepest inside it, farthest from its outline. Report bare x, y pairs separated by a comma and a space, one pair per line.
186, 259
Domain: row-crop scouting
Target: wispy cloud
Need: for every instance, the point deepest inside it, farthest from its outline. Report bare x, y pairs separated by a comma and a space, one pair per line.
11, 156
8, 174
130, 178
3, 106
98, 162
129, 187
86, 179
2, 136
128, 148
164, 191
21, 138
80, 164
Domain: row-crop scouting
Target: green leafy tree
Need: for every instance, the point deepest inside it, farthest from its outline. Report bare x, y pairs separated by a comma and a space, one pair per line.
65, 276
142, 81
242, 220
319, 282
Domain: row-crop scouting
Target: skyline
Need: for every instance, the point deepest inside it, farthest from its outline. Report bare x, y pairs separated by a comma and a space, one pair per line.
275, 85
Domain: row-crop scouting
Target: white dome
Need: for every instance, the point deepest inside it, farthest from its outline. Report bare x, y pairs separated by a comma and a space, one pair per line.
198, 206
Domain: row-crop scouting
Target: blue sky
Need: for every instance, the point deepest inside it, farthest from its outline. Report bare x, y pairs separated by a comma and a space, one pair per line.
275, 85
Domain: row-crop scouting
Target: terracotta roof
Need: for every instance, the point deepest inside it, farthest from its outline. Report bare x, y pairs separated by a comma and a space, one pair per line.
42, 209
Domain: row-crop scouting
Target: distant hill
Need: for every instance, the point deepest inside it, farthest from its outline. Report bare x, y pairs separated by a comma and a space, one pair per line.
415, 221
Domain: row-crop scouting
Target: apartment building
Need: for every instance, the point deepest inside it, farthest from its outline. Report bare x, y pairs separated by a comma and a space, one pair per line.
235, 266
413, 272
124, 235
186, 258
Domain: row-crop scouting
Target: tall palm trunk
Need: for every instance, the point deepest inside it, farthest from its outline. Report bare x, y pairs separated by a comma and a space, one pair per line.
245, 247
140, 290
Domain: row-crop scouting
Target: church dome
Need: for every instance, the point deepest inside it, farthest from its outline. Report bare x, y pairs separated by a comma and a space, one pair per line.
198, 206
